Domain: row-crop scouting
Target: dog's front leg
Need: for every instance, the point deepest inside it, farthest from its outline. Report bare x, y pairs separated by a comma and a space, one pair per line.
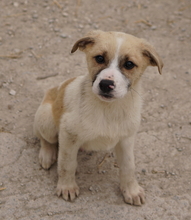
132, 192
67, 164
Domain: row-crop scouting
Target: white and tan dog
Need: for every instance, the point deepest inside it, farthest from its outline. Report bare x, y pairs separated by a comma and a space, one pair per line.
97, 111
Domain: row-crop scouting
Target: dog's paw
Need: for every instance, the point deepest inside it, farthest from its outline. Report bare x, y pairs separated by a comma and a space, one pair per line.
133, 194
47, 157
68, 192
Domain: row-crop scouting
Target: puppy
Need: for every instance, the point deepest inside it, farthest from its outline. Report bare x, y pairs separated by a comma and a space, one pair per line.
97, 111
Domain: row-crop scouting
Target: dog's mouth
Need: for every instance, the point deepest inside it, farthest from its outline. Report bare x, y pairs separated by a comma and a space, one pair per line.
106, 97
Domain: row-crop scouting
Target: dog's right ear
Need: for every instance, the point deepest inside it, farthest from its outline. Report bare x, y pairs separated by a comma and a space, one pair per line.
152, 55
82, 43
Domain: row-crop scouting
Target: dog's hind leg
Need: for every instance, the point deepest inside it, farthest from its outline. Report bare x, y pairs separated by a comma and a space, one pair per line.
48, 153
45, 129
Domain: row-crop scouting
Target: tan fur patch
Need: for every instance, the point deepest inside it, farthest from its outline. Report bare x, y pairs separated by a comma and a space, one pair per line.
50, 95
55, 96
105, 45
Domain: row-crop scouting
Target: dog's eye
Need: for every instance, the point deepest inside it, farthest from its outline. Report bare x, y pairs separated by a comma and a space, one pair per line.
129, 65
99, 59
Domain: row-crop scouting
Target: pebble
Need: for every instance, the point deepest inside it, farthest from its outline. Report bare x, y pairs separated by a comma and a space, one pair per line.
35, 16
183, 29
12, 92
63, 35
17, 50
90, 188
96, 26
179, 149
178, 13
169, 125
16, 4
51, 21
94, 189
56, 30
10, 32
49, 214
81, 26
153, 27
65, 14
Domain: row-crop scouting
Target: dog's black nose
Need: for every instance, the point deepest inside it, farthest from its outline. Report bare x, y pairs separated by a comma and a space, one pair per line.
106, 85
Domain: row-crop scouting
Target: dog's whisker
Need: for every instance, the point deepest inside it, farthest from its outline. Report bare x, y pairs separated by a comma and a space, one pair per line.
135, 91
132, 96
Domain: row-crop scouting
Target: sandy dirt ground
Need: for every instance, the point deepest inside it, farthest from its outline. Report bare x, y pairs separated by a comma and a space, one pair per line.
35, 42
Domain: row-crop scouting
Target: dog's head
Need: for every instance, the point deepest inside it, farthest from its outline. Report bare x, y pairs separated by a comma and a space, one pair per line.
116, 61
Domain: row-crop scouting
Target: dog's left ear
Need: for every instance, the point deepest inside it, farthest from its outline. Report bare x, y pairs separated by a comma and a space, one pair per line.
82, 43
154, 58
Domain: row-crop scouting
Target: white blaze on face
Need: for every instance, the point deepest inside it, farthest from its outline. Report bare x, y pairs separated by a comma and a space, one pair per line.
113, 73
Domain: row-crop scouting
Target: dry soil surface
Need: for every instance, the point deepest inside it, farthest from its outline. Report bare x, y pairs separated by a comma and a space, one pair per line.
35, 42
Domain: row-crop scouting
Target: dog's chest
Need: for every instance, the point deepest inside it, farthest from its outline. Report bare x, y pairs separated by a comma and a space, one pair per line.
113, 123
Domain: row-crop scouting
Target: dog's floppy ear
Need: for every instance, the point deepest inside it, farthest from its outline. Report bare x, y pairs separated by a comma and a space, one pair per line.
82, 43
89, 39
152, 55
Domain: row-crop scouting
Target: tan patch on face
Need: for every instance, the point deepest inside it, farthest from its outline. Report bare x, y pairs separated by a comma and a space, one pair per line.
55, 97
136, 72
131, 50
106, 46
